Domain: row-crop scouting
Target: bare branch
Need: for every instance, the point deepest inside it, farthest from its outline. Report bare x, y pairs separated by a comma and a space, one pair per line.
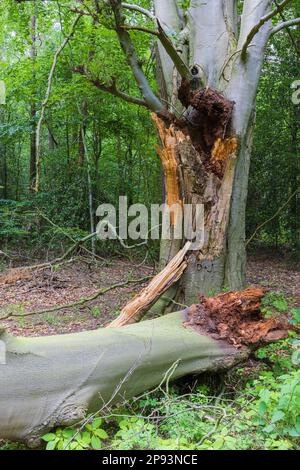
285, 24
261, 22
110, 88
144, 11
169, 47
128, 48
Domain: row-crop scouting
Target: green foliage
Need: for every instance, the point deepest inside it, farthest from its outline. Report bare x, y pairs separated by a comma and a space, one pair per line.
12, 220
274, 303
90, 437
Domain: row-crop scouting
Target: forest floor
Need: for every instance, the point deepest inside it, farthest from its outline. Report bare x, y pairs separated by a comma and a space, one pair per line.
25, 291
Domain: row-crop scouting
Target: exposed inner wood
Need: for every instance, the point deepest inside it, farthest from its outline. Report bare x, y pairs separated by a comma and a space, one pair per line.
168, 156
159, 284
198, 160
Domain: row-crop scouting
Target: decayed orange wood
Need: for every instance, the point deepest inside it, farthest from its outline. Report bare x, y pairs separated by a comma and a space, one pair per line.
159, 284
221, 151
169, 161
243, 302
237, 318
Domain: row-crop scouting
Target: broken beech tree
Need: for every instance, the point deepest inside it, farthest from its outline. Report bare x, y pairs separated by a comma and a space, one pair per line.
210, 76
209, 61
56, 380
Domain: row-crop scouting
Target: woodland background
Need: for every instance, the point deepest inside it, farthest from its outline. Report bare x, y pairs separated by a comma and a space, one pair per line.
247, 408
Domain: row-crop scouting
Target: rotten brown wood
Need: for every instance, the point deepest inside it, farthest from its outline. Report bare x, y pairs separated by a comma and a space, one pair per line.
237, 318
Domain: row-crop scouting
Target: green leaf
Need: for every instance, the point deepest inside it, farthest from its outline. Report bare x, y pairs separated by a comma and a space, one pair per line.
96, 443
51, 445
293, 432
269, 428
101, 433
49, 437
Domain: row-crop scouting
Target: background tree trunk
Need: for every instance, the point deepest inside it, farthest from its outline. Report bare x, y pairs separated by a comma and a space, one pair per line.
33, 153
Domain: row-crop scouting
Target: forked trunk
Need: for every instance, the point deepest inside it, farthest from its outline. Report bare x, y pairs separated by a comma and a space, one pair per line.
211, 150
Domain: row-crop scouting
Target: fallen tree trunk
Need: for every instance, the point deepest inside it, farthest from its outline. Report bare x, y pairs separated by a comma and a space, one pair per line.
54, 381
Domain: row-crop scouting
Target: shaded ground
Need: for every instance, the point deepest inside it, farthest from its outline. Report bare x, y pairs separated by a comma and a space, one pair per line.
38, 290
22, 292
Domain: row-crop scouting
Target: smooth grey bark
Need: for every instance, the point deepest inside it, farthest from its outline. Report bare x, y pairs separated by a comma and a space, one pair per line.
54, 381
242, 89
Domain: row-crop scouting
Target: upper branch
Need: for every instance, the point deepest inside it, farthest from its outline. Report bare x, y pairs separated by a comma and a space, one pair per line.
144, 11
129, 50
110, 88
285, 24
261, 22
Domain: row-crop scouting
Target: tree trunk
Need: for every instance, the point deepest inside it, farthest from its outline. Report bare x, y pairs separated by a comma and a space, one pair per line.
212, 164
33, 152
54, 381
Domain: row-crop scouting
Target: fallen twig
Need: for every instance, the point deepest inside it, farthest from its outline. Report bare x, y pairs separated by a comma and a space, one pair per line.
77, 302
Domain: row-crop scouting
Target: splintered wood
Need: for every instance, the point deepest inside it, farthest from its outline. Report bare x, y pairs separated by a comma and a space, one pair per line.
159, 284
237, 318
169, 162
